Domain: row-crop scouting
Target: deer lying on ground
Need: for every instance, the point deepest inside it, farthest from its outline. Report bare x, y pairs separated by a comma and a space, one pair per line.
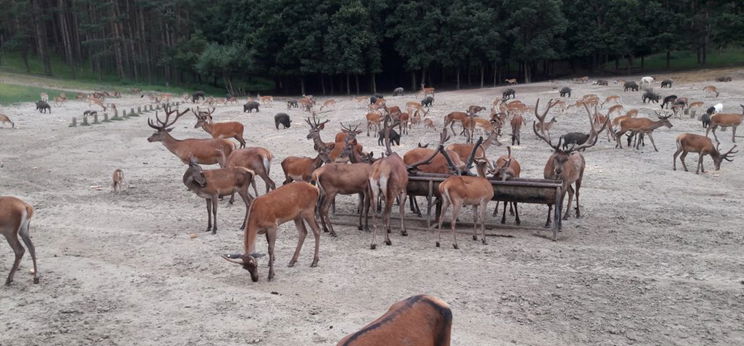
15, 216
202, 151
568, 166
710, 89
691, 143
297, 202
4, 119
725, 120
226, 129
507, 167
388, 177
214, 183
118, 180
257, 160
416, 321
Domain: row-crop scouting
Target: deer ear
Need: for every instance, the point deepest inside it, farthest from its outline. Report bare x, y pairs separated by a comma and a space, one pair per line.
169, 130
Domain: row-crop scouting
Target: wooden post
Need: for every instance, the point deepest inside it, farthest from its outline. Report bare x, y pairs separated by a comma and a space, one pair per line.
85, 121
95, 119
74, 122
105, 118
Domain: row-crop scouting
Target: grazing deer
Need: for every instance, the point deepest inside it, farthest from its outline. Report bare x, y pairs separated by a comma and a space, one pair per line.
613, 99
328, 103
643, 126
118, 180
412, 106
15, 216
256, 159
567, 166
429, 124
691, 143
725, 120
202, 151
226, 129
510, 81
418, 320
507, 167
461, 191
97, 101
297, 202
5, 119
388, 177
214, 183
710, 89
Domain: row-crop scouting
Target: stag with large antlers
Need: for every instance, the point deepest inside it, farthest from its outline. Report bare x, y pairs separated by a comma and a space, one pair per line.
388, 177
228, 129
643, 126
567, 165
297, 202
691, 143
202, 151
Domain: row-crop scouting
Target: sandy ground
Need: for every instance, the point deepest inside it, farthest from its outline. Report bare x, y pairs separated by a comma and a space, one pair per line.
655, 259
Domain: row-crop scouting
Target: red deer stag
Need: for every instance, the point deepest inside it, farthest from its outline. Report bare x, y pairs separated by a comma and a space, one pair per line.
691, 143
724, 120
643, 126
228, 129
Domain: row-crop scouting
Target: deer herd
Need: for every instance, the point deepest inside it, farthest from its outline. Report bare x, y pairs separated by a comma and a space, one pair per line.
343, 167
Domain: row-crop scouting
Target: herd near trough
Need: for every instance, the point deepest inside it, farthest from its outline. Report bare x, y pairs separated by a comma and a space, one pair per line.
343, 167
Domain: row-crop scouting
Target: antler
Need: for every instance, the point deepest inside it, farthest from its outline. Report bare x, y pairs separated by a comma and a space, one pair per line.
162, 125
728, 156
593, 134
551, 104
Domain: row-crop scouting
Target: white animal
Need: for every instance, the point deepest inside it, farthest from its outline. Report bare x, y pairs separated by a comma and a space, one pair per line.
718, 107
648, 80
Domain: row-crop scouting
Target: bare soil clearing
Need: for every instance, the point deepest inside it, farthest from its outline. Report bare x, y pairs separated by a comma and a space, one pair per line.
655, 259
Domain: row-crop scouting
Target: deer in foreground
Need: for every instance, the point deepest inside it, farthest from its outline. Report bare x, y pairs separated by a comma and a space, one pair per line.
388, 177
15, 216
568, 166
256, 159
418, 320
507, 167
118, 180
725, 120
5, 119
202, 151
461, 191
295, 201
227, 129
214, 183
691, 143
643, 126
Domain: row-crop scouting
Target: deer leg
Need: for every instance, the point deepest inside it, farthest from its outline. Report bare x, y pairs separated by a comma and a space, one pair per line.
618, 139
215, 203
373, 198
578, 211
455, 212
324, 217
652, 141
483, 209
682, 159
733, 134
700, 164
310, 219
270, 185
389, 200
18, 250
445, 205
23, 232
255, 190
503, 215
674, 159
271, 240
209, 214
300, 240
547, 223
570, 192
402, 215
516, 214
475, 222
241, 140
246, 200
496, 210
714, 134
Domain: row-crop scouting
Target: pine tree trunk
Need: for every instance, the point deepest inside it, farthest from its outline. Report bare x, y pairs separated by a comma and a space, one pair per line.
40, 36
302, 85
322, 84
483, 75
374, 83
413, 80
356, 81
457, 72
348, 86
668, 57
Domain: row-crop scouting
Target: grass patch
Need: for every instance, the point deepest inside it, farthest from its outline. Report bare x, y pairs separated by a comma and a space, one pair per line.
686, 60
11, 93
12, 64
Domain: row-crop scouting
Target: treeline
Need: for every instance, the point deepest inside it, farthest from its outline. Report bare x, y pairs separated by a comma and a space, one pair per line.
322, 46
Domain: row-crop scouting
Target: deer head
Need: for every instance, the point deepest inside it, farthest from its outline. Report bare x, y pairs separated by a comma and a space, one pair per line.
163, 127
718, 157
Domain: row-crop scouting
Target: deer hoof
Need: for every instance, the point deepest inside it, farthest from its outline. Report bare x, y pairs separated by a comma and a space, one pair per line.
388, 242
333, 234
314, 264
484, 241
455, 246
475, 237
36, 280
373, 246
437, 244
404, 233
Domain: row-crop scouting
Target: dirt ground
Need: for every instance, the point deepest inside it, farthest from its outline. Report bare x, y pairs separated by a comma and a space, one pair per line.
655, 259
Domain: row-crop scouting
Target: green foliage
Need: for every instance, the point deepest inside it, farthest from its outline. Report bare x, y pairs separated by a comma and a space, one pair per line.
11, 93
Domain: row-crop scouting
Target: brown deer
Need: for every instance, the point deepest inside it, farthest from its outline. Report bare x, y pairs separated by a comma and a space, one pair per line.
541, 124
510, 81
300, 168
450, 119
461, 191
202, 151
256, 159
416, 321
725, 120
388, 178
15, 216
429, 124
614, 99
516, 125
214, 183
374, 119
427, 91
710, 89
568, 166
507, 167
5, 119
118, 180
464, 149
643, 126
266, 100
328, 103
297, 202
226, 129
691, 143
